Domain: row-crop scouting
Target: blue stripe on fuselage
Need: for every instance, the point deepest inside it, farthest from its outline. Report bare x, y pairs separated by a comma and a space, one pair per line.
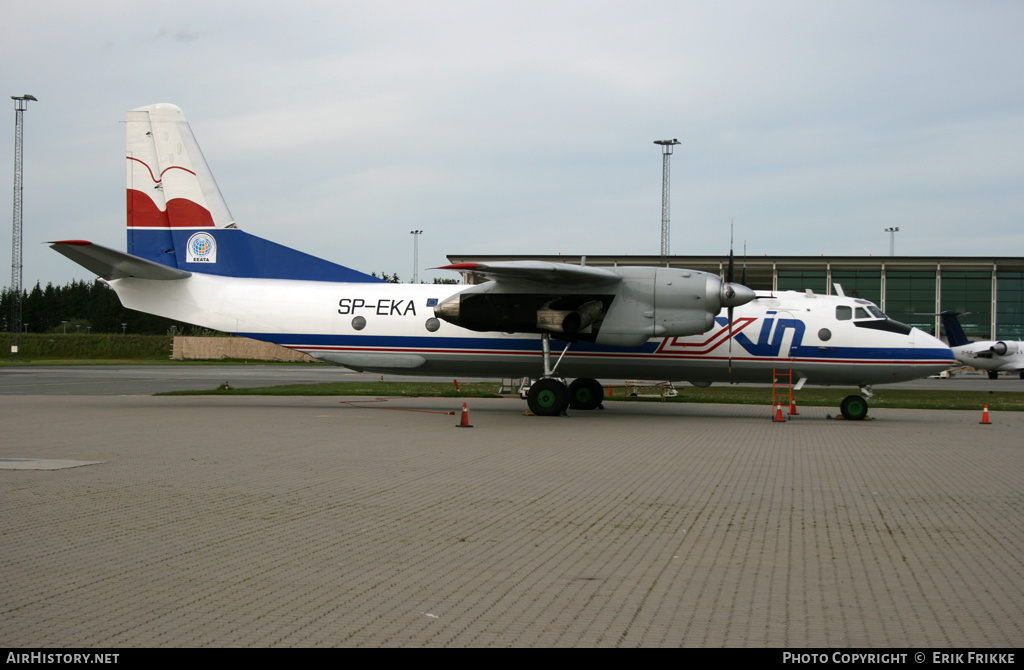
515, 345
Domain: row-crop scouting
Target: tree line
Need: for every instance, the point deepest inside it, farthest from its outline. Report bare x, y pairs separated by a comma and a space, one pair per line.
81, 307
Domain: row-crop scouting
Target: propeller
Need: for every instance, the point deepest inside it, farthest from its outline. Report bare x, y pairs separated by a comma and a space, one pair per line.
729, 277
733, 295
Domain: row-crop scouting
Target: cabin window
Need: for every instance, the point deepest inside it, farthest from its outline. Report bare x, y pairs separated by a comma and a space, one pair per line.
844, 313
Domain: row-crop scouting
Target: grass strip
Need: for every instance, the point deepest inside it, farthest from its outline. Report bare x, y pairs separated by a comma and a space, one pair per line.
738, 395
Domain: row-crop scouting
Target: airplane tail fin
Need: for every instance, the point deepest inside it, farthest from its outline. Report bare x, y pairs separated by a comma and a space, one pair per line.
178, 218
954, 331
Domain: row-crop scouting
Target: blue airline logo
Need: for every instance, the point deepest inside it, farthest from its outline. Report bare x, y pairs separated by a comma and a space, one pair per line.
769, 343
774, 328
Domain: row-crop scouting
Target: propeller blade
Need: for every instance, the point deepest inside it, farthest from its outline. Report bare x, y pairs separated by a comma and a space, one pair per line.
731, 277
730, 340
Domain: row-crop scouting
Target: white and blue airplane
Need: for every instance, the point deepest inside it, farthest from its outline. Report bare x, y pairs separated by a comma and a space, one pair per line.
992, 356
188, 261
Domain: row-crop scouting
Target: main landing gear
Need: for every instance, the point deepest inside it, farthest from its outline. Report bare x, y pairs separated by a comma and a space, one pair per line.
549, 396
855, 407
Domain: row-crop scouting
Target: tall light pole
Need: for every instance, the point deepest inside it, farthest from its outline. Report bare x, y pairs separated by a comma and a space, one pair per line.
892, 239
20, 105
415, 255
666, 155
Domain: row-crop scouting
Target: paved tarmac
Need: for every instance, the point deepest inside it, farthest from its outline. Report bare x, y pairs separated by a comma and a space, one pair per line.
262, 521
149, 379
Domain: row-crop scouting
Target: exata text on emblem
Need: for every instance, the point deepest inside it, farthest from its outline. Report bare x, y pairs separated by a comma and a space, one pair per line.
201, 248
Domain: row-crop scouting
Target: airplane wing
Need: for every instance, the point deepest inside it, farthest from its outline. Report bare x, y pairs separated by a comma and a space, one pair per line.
111, 264
539, 273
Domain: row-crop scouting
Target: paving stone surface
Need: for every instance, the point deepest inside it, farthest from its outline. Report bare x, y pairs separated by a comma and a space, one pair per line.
251, 521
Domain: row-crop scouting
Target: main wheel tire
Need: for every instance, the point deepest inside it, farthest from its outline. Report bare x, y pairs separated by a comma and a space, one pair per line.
548, 397
992, 374
854, 407
585, 394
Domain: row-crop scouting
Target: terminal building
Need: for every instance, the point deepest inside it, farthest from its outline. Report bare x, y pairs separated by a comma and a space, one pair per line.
989, 292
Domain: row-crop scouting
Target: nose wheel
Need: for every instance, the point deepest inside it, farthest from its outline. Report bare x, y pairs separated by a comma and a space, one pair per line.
854, 408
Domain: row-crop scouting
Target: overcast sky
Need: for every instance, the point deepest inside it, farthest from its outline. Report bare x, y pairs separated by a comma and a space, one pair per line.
527, 127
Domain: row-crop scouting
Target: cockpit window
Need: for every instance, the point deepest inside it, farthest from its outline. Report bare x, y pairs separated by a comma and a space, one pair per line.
862, 313
844, 313
877, 312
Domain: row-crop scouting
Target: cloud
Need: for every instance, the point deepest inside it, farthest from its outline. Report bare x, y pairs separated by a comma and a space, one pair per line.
528, 127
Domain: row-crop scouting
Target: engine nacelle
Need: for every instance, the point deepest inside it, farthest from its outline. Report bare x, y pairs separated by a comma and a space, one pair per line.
646, 303
999, 348
665, 302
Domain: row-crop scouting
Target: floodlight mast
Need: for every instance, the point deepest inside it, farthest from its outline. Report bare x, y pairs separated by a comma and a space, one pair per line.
20, 105
666, 155
892, 239
415, 255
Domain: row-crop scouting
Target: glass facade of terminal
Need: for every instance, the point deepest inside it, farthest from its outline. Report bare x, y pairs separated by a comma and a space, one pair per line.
1010, 306
991, 302
910, 298
969, 293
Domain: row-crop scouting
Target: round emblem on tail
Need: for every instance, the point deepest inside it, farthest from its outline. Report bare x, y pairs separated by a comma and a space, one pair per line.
201, 248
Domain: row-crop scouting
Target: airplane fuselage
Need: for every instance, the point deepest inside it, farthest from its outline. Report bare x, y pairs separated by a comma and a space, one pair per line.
392, 328
1001, 356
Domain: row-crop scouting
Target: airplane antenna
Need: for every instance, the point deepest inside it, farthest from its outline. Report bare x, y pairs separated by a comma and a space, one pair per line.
666, 155
744, 280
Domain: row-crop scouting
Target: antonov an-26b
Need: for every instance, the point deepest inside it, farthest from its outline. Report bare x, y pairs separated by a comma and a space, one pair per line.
188, 261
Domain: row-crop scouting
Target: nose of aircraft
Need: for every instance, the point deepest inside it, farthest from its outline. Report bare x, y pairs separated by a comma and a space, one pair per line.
929, 346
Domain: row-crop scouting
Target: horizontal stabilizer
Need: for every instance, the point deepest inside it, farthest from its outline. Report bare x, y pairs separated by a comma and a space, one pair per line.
111, 264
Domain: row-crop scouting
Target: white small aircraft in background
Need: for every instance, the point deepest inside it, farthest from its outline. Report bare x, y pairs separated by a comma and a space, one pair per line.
993, 356
188, 261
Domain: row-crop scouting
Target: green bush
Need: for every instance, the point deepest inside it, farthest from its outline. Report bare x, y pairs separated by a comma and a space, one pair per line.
104, 346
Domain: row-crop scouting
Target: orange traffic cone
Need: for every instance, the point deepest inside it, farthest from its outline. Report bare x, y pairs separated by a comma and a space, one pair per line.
792, 407
778, 413
984, 417
465, 418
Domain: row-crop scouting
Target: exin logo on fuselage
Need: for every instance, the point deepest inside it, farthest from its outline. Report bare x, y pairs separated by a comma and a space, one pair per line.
769, 340
201, 248
773, 330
